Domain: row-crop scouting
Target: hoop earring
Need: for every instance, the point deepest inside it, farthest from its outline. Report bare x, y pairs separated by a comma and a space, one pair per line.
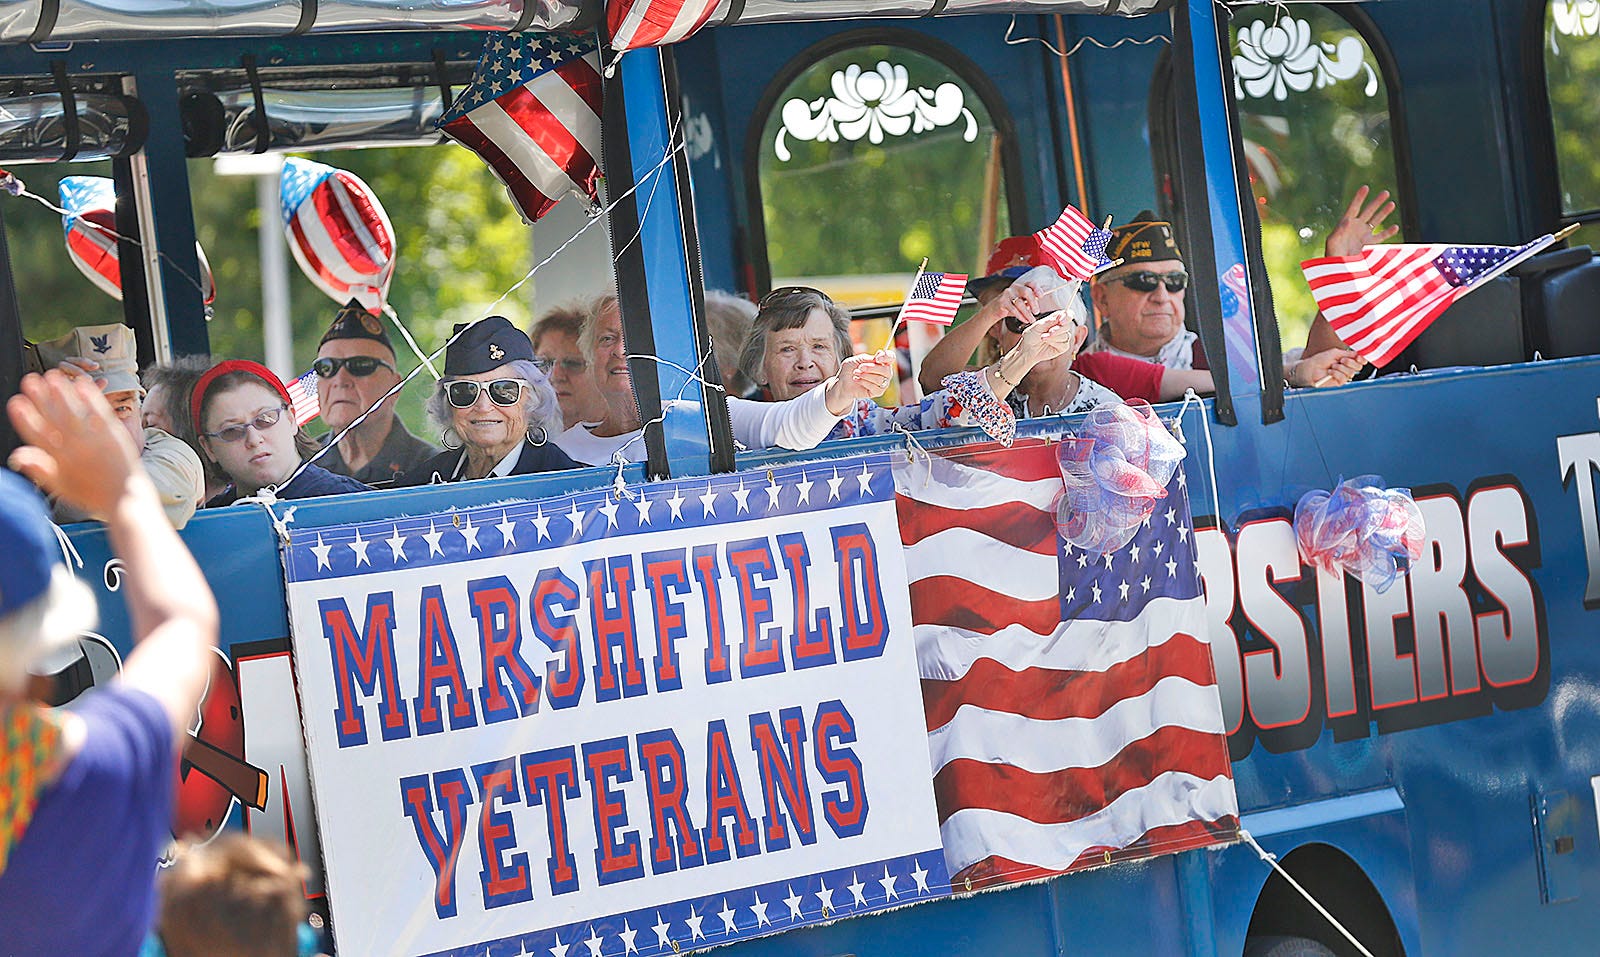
446, 437
542, 435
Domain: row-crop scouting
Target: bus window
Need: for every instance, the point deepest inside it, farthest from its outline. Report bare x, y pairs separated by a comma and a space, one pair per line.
1315, 114
1572, 71
873, 157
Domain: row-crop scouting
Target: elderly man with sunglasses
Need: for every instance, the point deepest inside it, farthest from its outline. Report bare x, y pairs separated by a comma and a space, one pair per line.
355, 368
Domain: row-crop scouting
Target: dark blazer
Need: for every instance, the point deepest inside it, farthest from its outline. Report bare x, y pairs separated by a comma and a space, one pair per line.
535, 458
314, 481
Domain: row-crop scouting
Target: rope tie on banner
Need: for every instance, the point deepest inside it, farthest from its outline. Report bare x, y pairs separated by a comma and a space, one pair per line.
69, 552
1272, 860
1190, 397
678, 144
267, 497
1125, 41
915, 452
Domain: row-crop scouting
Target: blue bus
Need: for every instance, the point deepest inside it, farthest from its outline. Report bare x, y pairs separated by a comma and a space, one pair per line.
1421, 760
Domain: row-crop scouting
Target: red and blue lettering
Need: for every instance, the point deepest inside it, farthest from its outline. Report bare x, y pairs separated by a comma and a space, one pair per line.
450, 794
615, 860
553, 591
666, 570
611, 614
551, 778
845, 808
866, 624
811, 642
783, 773
505, 880
495, 606
761, 654
707, 573
364, 661
673, 837
725, 799
441, 665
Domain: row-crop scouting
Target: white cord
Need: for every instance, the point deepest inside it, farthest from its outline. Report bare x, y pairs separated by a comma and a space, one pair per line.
1272, 860
69, 552
388, 310
1211, 464
1125, 41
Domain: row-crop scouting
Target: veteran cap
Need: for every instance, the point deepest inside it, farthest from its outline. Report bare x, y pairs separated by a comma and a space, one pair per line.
486, 345
1144, 240
355, 322
112, 346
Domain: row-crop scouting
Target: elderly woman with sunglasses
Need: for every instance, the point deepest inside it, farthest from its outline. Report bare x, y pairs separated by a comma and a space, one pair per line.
245, 420
800, 336
495, 407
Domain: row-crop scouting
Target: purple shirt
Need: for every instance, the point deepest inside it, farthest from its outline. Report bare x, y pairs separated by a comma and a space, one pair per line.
82, 879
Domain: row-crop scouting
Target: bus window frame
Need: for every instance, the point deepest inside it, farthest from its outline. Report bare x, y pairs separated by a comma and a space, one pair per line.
950, 57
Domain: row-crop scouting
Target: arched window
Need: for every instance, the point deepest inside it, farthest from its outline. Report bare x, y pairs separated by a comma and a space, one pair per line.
1314, 111
872, 156
1572, 74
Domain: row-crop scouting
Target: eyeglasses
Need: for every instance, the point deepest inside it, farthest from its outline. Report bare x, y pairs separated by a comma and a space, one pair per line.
1175, 282
569, 366
785, 292
463, 393
359, 366
261, 423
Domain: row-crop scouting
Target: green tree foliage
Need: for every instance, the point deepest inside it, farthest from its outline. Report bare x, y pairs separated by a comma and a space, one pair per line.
861, 208
1309, 152
1572, 70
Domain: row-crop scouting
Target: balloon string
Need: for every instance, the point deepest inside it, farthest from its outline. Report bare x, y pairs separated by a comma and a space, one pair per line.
489, 310
394, 317
11, 184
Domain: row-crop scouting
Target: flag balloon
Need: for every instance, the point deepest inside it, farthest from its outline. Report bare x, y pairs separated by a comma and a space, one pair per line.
90, 222
338, 232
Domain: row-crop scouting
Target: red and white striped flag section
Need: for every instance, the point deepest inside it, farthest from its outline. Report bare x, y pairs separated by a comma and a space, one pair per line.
303, 392
1075, 247
934, 297
1381, 300
532, 112
1072, 707
648, 23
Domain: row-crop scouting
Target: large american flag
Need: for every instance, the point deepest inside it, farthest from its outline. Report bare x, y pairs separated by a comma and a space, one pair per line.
532, 113
934, 297
643, 23
1073, 245
1381, 300
1072, 707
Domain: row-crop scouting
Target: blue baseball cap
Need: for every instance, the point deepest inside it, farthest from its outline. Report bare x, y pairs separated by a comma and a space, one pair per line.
31, 550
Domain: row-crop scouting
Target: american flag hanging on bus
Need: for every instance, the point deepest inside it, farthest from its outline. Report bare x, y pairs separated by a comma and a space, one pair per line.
1072, 706
1074, 245
1380, 301
532, 113
934, 297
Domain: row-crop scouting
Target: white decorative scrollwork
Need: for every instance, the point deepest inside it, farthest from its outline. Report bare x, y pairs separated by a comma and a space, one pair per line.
1280, 56
873, 104
1573, 18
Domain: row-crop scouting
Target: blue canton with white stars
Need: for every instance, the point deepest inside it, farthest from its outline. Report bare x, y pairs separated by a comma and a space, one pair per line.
1158, 563
511, 60
523, 527
1460, 265
300, 178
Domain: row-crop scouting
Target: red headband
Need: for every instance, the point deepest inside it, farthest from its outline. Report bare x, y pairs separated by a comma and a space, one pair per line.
197, 398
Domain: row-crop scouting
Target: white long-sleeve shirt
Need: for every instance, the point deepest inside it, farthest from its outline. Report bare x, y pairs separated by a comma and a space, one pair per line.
800, 423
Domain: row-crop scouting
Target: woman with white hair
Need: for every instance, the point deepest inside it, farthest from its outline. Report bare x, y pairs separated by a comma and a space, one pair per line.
86, 795
496, 410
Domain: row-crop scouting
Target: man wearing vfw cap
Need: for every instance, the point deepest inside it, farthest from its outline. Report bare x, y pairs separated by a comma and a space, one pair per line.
1140, 302
106, 354
355, 368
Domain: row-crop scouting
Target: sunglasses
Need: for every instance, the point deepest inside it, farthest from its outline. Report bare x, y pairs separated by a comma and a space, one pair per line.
569, 366
463, 393
786, 292
1017, 328
359, 366
261, 423
1175, 282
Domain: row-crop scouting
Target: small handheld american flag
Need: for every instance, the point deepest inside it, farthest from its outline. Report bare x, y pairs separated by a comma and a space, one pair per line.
303, 391
934, 297
1074, 246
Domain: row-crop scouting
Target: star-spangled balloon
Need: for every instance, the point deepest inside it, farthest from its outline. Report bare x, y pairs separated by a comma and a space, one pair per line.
338, 232
90, 224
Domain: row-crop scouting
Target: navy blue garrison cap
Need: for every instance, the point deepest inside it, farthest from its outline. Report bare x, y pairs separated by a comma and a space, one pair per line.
488, 345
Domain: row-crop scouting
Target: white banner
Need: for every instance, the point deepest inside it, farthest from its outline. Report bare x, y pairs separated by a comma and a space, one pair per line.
616, 725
